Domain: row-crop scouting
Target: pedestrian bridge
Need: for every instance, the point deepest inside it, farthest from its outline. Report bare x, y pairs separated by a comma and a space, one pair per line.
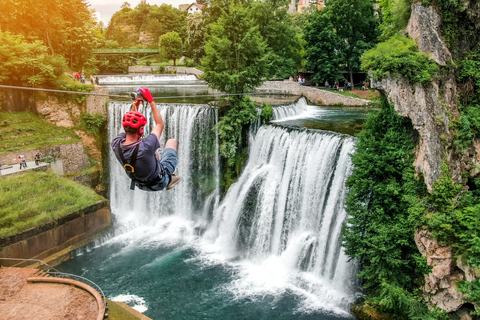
136, 54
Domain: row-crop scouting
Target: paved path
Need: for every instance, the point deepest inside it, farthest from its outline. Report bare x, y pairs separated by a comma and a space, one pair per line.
314, 94
15, 168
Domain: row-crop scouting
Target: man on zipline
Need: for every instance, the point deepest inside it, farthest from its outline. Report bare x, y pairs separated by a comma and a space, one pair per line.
138, 156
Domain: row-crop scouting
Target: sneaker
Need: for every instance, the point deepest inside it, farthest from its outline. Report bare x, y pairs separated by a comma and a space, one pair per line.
173, 182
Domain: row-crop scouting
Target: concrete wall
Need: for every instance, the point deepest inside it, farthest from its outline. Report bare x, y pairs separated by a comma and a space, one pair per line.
142, 69
185, 70
71, 231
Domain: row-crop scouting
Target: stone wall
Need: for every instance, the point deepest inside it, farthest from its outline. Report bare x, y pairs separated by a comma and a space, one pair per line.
313, 94
97, 104
73, 156
185, 70
70, 232
142, 69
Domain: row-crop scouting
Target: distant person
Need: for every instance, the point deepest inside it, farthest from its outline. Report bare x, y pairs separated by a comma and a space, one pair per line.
96, 80
38, 156
77, 76
139, 156
82, 78
349, 86
91, 79
327, 85
24, 162
20, 162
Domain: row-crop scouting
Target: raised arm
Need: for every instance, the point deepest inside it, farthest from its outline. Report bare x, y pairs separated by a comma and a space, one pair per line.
158, 129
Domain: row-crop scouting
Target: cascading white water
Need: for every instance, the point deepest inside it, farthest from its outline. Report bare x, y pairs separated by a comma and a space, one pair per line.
145, 79
288, 207
280, 222
192, 126
290, 110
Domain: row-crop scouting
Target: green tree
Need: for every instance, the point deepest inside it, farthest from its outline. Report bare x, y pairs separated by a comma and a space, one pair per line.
27, 63
276, 27
196, 36
235, 59
171, 46
352, 28
65, 27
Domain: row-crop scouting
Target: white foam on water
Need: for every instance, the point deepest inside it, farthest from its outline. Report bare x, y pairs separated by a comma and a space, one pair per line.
133, 301
278, 227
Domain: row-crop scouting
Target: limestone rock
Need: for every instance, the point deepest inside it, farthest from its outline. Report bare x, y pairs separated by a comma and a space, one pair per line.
90, 144
440, 285
430, 108
424, 27
60, 114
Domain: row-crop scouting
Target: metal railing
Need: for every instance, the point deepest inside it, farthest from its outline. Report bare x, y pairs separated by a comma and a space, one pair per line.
64, 275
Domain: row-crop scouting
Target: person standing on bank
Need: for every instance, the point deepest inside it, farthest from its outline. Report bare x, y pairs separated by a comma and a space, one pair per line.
139, 156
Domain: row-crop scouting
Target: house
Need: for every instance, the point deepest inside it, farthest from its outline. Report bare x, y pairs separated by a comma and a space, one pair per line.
191, 8
184, 7
302, 4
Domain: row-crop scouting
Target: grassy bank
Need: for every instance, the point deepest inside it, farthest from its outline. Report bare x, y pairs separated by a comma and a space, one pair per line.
25, 130
34, 198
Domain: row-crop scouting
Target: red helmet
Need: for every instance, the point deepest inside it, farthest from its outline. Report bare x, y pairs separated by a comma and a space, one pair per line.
135, 120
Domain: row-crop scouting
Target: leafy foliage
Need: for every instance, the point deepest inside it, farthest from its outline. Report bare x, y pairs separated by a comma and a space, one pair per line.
28, 63
196, 36
453, 215
171, 45
382, 199
127, 23
379, 233
395, 15
472, 289
337, 36
92, 122
400, 55
283, 46
235, 58
232, 126
65, 27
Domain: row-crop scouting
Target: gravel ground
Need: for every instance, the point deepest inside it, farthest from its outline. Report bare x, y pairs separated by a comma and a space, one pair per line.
20, 300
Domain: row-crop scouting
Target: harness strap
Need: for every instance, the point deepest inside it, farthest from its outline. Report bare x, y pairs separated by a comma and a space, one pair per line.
129, 166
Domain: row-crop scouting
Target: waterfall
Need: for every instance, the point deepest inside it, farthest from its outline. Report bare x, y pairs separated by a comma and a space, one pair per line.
290, 110
288, 205
145, 79
192, 126
279, 225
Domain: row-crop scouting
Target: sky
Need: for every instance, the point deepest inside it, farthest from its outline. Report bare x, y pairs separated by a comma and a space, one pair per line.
106, 8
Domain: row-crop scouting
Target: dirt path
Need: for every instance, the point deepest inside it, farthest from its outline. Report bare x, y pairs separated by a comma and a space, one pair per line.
20, 300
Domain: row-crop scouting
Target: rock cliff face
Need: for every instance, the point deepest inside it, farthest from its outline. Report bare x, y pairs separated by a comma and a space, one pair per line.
432, 107
440, 285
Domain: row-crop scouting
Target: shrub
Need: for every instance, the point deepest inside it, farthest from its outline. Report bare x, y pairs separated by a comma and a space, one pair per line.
400, 55
92, 122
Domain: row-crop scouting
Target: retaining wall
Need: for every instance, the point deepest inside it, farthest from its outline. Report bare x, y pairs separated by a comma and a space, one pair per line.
70, 231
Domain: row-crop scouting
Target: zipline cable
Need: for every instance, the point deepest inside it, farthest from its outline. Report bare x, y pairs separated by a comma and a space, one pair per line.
127, 96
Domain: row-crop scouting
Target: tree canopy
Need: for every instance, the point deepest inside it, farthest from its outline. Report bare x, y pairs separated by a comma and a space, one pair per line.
337, 36
236, 54
171, 46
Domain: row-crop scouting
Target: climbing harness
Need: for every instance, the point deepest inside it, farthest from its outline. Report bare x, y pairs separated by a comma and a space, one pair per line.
152, 185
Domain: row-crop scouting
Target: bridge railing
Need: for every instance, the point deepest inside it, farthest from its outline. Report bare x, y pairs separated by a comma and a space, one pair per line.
124, 51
